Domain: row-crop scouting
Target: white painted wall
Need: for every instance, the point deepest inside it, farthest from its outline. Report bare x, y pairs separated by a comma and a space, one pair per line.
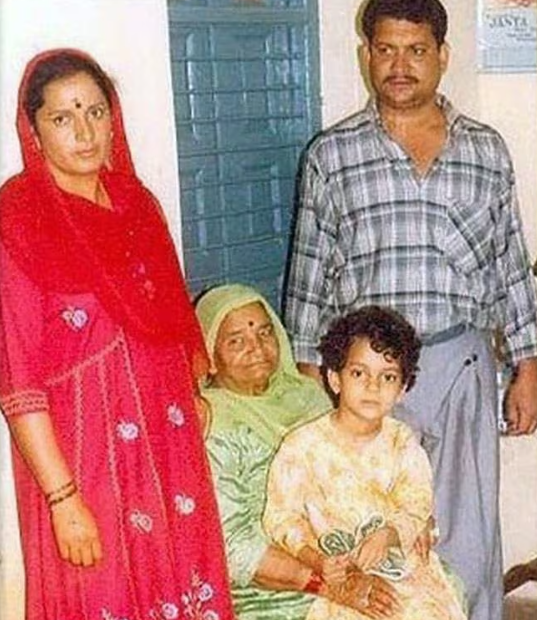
509, 103
129, 39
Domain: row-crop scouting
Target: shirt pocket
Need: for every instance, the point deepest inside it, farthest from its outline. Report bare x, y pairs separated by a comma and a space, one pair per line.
355, 259
469, 234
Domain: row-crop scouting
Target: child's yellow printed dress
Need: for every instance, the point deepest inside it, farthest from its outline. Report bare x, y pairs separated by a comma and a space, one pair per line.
325, 493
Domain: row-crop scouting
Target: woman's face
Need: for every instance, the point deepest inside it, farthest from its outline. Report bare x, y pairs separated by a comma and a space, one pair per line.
246, 351
73, 130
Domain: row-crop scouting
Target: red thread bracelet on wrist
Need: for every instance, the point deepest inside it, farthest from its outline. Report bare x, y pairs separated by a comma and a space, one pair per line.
314, 583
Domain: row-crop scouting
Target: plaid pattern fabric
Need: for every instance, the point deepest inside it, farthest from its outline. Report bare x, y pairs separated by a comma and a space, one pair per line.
443, 249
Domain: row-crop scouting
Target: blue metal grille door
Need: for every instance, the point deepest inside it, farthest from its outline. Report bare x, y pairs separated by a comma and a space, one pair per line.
246, 101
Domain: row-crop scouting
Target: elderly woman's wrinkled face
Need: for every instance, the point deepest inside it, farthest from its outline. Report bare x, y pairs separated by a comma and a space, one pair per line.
246, 352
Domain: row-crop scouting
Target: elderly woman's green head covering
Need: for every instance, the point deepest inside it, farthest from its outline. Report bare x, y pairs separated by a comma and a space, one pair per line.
215, 305
289, 397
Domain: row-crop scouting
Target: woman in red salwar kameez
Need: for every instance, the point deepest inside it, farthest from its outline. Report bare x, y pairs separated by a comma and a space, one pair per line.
99, 356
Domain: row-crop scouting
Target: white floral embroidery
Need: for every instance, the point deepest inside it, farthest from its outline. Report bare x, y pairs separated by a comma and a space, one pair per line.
76, 318
170, 611
194, 600
176, 415
184, 505
107, 615
142, 522
128, 431
205, 593
164, 611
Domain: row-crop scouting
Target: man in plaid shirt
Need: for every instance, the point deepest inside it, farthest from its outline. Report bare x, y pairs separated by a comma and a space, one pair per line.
412, 205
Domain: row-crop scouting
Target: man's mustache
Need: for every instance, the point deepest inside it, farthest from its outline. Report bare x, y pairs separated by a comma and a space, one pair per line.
400, 78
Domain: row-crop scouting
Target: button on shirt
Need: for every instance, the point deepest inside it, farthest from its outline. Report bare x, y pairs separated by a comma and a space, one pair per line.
443, 249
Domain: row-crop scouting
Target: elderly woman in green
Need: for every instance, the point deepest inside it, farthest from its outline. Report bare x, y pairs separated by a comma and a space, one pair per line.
254, 395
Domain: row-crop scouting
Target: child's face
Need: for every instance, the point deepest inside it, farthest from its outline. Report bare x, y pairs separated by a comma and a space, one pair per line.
369, 386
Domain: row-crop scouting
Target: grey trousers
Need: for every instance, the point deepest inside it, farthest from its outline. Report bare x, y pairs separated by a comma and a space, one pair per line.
452, 407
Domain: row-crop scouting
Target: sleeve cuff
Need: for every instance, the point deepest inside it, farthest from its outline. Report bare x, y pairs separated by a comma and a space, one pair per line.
522, 342
24, 402
516, 355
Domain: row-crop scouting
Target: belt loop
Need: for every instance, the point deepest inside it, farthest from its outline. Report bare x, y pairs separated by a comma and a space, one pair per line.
444, 335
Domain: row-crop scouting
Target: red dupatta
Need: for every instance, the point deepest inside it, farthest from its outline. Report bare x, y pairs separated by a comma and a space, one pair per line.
125, 256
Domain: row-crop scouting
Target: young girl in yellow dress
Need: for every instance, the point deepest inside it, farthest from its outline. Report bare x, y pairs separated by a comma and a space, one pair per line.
352, 490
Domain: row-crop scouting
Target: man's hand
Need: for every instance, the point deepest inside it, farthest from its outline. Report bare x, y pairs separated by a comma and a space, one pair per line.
521, 399
426, 539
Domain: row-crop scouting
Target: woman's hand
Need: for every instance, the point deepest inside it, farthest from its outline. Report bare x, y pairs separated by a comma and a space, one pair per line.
76, 533
73, 524
370, 595
374, 548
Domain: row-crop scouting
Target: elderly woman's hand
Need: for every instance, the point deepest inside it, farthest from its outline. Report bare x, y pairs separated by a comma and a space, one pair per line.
76, 532
335, 568
368, 594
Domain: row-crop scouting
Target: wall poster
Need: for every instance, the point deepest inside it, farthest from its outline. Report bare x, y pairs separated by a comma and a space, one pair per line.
507, 36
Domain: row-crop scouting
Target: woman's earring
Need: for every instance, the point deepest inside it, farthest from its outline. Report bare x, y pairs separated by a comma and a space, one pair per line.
36, 139
108, 161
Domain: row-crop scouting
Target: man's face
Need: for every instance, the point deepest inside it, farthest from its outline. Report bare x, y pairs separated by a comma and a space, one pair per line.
405, 63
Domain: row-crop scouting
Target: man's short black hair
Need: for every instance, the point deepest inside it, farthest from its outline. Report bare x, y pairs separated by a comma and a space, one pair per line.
429, 12
387, 331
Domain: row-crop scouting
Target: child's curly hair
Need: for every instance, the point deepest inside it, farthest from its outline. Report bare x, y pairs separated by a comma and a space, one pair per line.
387, 332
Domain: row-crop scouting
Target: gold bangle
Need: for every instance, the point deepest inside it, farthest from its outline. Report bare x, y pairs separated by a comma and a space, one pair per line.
68, 493
63, 487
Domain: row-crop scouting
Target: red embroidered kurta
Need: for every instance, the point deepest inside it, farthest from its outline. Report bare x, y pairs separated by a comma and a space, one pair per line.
117, 379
